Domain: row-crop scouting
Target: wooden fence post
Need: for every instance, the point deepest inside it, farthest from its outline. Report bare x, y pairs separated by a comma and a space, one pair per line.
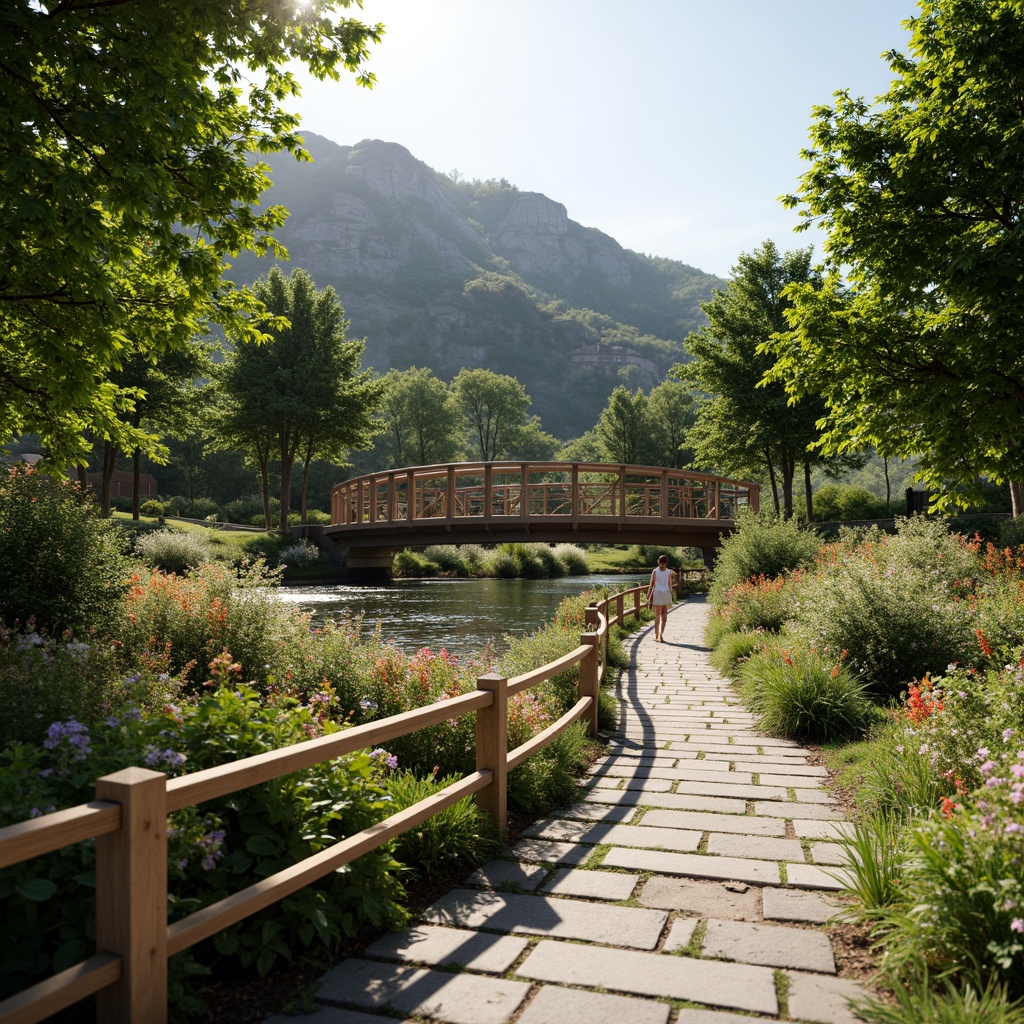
591, 619
589, 684
636, 606
131, 897
492, 750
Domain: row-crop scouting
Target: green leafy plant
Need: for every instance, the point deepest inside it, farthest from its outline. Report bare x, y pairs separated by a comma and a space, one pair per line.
460, 834
872, 874
61, 564
763, 545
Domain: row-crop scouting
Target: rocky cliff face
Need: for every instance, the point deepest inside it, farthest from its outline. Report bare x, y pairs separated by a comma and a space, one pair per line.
434, 272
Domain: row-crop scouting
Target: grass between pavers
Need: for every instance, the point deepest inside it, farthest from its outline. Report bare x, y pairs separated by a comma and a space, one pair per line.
598, 854
782, 992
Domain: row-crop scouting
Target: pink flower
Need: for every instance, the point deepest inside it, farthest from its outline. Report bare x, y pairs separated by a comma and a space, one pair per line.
1017, 924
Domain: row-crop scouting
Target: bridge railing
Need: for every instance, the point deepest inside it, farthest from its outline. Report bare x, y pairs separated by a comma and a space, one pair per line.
128, 820
505, 491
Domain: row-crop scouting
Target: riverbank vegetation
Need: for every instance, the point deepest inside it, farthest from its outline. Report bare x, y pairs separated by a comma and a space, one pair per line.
181, 672
905, 655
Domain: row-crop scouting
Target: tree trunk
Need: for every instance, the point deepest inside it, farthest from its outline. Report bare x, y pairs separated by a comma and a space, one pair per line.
885, 465
83, 477
136, 473
1017, 497
788, 471
107, 476
771, 477
808, 498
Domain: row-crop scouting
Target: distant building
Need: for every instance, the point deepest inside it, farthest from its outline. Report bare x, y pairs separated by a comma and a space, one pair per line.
121, 484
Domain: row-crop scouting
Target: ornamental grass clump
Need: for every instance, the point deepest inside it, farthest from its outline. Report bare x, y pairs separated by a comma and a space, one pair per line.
800, 694
173, 550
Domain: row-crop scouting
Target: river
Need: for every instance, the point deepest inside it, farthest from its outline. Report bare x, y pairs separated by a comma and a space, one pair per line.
461, 615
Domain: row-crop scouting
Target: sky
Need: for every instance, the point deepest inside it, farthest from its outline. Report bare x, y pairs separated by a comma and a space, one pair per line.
671, 125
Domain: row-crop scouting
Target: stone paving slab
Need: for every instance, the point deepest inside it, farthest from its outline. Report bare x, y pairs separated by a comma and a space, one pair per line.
744, 824
335, 1015
643, 785
776, 809
512, 913
758, 847
808, 876
798, 768
596, 885
835, 854
447, 947
739, 902
618, 835
769, 945
550, 853
500, 874
680, 934
452, 998
554, 1005
734, 986
797, 782
758, 872
821, 999
687, 1016
807, 829
598, 812
673, 801
813, 796
797, 905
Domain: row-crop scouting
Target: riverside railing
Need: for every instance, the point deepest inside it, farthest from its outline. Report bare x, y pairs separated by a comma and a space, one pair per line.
128, 820
577, 492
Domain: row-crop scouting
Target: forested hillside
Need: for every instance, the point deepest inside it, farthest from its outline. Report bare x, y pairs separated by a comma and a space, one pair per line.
447, 273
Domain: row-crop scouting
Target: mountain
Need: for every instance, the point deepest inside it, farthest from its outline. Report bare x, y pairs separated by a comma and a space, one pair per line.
448, 274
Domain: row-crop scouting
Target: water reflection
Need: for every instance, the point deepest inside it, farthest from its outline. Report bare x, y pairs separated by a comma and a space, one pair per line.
461, 615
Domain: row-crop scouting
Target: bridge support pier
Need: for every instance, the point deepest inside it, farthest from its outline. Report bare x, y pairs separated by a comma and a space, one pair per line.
367, 565
709, 557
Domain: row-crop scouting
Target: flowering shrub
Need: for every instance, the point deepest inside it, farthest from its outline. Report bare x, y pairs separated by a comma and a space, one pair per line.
213, 850
210, 610
301, 555
756, 603
44, 679
763, 545
60, 563
963, 884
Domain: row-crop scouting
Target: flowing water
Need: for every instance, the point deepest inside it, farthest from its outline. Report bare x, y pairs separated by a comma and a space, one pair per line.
461, 615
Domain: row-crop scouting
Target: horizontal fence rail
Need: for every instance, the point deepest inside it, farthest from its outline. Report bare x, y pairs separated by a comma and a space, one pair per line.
128, 821
506, 492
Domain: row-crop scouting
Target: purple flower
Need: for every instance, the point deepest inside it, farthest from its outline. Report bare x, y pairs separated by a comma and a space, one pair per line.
35, 813
391, 761
987, 767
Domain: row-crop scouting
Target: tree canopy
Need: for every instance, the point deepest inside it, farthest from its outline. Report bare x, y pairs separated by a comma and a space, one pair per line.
495, 406
745, 426
914, 340
127, 184
424, 423
302, 395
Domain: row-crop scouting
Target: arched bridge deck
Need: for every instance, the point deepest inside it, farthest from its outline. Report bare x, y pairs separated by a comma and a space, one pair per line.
376, 515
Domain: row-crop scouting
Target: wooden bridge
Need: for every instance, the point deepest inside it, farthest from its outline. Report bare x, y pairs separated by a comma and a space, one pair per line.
374, 516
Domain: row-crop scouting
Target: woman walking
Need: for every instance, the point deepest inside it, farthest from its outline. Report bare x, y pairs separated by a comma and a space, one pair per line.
659, 596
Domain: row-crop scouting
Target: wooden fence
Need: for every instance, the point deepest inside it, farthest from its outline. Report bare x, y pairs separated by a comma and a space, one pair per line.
128, 820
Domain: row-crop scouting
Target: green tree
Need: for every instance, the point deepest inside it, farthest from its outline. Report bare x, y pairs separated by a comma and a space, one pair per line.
915, 338
670, 414
623, 430
745, 426
532, 441
424, 422
495, 408
126, 138
303, 394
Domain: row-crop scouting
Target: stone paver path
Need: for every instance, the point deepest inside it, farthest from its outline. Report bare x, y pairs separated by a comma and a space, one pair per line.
688, 885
